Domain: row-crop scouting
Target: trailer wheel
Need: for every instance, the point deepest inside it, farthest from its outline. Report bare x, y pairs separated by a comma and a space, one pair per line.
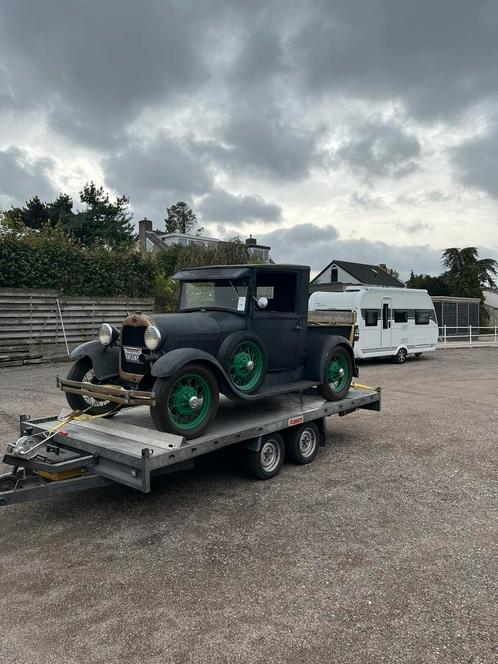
400, 356
338, 374
302, 443
8, 482
186, 403
82, 371
267, 461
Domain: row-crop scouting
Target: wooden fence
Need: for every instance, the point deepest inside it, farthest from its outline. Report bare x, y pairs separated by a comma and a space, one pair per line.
39, 318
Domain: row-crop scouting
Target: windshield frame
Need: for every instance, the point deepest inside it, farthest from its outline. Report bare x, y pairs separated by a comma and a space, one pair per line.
234, 283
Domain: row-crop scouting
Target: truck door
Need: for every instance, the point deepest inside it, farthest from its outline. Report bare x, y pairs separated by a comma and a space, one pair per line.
279, 326
386, 333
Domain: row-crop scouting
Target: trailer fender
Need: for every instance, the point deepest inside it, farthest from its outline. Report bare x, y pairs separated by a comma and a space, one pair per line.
171, 362
317, 353
105, 359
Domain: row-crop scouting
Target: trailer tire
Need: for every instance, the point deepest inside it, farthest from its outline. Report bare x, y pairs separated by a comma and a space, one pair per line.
80, 369
401, 355
302, 443
266, 462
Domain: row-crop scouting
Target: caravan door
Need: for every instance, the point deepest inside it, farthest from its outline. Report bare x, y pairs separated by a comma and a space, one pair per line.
386, 333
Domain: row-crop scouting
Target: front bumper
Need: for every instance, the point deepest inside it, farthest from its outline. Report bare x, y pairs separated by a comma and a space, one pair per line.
113, 393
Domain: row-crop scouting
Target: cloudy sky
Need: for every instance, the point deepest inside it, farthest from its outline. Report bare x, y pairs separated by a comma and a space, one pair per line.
362, 130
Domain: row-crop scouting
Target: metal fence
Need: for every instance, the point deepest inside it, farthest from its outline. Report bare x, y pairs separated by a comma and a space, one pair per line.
43, 319
473, 335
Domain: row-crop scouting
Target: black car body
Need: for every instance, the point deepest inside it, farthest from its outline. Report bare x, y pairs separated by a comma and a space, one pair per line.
246, 325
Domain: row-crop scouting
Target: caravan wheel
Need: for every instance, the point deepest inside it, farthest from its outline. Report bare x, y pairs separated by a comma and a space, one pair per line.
400, 356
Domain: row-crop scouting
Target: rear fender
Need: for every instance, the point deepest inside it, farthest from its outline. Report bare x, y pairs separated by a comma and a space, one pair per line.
316, 355
176, 359
105, 359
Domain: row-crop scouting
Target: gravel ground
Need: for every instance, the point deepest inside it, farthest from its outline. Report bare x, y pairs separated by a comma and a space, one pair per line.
379, 551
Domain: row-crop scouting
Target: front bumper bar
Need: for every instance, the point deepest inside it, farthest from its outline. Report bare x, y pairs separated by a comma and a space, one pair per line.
113, 393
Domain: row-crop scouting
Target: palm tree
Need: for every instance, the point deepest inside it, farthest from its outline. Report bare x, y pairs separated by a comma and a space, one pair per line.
467, 275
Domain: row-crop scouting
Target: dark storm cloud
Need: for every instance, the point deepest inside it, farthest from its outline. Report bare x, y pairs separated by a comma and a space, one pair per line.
378, 149
100, 63
21, 177
476, 162
220, 206
436, 57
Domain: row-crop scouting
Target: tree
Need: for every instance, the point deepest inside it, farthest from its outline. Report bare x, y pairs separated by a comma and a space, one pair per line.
33, 215
102, 221
433, 285
180, 218
466, 275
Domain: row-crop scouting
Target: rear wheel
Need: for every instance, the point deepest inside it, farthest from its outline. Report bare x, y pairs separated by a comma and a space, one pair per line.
401, 356
338, 374
267, 461
82, 371
302, 443
186, 403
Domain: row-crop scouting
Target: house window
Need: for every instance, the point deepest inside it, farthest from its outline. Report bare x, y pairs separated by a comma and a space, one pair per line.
400, 316
422, 317
371, 317
333, 275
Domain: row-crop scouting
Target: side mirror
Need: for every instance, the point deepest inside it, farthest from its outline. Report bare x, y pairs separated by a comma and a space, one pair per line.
262, 302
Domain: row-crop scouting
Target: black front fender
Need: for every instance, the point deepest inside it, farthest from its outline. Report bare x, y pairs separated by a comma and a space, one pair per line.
316, 355
105, 359
171, 362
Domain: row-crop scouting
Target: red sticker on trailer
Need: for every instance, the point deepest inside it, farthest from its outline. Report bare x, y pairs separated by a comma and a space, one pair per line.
292, 421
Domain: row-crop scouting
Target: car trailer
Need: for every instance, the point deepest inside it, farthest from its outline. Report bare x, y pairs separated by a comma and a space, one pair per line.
72, 452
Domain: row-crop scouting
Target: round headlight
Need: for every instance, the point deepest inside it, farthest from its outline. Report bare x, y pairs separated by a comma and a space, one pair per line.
106, 334
152, 337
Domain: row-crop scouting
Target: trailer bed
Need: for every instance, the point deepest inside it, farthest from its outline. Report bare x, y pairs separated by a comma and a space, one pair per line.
128, 449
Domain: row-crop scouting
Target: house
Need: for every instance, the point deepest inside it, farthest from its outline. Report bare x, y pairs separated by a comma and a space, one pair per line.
339, 274
151, 241
491, 306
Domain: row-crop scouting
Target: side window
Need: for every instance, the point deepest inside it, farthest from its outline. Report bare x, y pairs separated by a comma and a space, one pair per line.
279, 288
371, 317
400, 316
422, 317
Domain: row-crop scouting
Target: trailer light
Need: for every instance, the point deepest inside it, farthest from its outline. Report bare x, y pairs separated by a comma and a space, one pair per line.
107, 334
152, 337
63, 433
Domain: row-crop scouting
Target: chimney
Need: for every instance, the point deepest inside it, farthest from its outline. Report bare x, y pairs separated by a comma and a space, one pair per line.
251, 241
383, 266
143, 226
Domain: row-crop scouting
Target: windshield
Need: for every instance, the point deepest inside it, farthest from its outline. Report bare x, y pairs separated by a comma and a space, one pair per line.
219, 294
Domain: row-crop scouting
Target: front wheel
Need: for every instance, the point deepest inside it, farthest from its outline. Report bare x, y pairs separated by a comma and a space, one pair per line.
186, 403
400, 357
337, 375
82, 372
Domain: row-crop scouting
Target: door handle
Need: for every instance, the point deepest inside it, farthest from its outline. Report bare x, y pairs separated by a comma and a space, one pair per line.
298, 327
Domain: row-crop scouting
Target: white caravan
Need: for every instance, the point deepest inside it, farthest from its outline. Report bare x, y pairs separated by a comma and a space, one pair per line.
391, 321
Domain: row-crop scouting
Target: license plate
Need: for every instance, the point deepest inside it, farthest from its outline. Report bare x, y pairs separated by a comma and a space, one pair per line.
132, 354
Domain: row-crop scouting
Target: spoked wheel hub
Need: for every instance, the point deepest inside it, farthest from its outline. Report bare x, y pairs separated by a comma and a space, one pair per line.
189, 401
337, 372
246, 365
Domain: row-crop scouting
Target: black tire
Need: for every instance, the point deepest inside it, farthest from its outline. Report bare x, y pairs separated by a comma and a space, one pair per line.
163, 413
302, 443
267, 461
81, 369
8, 482
340, 355
226, 356
401, 355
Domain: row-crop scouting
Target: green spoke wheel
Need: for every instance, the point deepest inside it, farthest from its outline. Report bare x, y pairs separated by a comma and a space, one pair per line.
338, 374
186, 403
189, 401
246, 366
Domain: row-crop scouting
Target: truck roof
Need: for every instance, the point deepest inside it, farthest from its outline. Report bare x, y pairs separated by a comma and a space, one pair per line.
234, 271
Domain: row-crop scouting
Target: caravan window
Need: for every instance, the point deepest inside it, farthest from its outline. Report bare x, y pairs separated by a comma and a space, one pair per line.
422, 317
371, 317
400, 316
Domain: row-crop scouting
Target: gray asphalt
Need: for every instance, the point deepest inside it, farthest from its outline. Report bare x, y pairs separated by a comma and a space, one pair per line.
382, 550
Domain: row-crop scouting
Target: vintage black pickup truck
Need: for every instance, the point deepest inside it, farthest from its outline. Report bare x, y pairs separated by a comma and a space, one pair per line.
242, 331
